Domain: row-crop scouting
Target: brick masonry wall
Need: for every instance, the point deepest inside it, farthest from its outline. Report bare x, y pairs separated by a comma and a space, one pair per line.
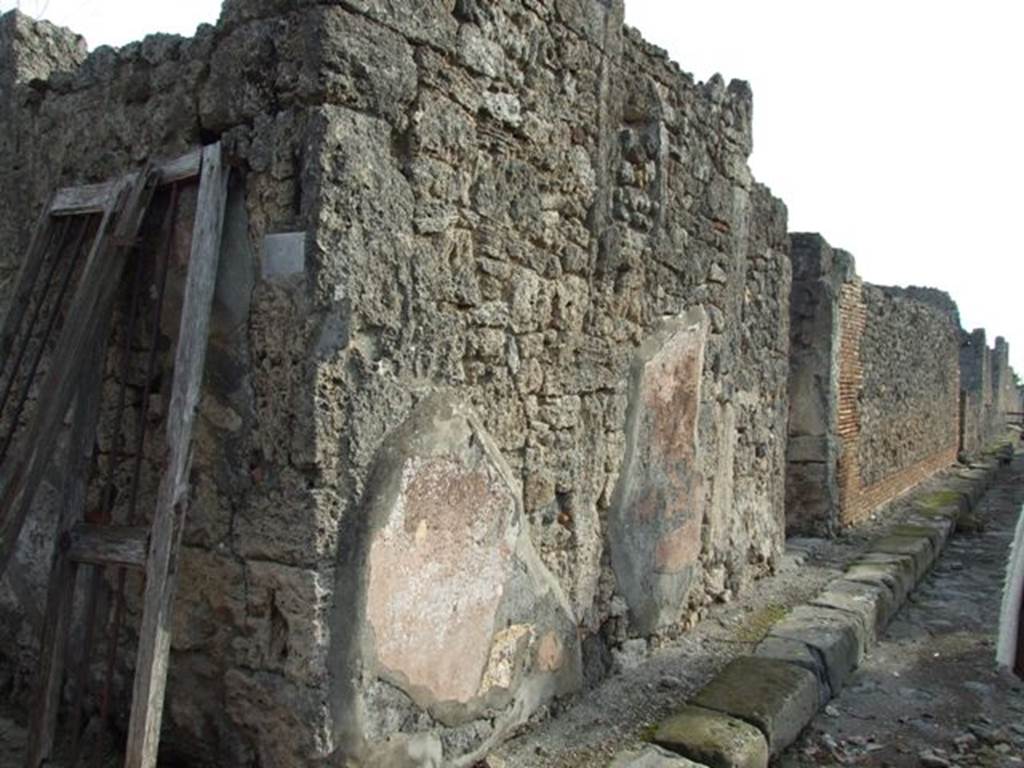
899, 395
866, 500
852, 320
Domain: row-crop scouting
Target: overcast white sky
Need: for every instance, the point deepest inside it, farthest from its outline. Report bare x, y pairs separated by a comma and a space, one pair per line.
893, 127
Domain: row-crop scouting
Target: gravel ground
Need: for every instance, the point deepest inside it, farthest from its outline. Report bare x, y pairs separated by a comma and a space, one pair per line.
929, 694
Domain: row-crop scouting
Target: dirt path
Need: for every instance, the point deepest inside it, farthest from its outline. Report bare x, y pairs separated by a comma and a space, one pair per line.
929, 693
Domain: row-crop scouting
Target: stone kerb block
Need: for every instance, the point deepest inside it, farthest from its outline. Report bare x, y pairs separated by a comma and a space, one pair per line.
838, 638
777, 698
894, 572
713, 739
657, 511
652, 757
873, 605
442, 596
799, 653
919, 548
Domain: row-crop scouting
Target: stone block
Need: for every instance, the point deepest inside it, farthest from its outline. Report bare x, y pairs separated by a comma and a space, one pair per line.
839, 638
713, 738
978, 476
799, 653
892, 571
808, 448
918, 548
943, 504
914, 530
290, 722
657, 511
779, 699
286, 621
652, 757
874, 605
941, 526
968, 488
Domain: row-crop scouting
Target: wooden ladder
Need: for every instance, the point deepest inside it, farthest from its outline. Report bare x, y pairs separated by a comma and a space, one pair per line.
75, 382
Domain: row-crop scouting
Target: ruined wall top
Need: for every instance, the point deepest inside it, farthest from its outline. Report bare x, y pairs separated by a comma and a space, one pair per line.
934, 297
33, 50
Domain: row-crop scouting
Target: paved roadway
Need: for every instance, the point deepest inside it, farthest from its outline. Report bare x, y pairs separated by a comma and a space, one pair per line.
930, 694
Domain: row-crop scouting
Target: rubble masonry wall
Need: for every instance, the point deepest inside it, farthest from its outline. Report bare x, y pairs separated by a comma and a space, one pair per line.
515, 234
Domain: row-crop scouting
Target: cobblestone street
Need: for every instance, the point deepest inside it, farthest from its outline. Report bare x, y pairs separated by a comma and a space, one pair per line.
929, 693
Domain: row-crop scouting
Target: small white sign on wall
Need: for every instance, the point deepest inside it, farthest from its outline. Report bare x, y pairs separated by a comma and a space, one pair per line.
284, 255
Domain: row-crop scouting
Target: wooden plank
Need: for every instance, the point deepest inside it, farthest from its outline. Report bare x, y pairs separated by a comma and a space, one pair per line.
93, 301
93, 198
26, 598
27, 276
181, 168
63, 572
172, 501
88, 198
109, 545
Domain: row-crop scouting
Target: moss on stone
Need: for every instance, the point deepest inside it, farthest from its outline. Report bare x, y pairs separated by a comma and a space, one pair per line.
759, 623
938, 500
713, 739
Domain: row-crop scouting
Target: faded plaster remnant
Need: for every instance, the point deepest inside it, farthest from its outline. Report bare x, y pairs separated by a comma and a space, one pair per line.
437, 571
657, 514
461, 615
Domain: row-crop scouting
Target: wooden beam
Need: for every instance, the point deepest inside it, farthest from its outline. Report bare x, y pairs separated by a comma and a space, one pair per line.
109, 545
24, 593
181, 168
27, 276
63, 572
172, 501
88, 315
93, 198
88, 198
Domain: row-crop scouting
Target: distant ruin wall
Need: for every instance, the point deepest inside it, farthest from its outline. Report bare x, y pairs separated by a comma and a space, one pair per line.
988, 392
477, 263
910, 396
875, 401
975, 392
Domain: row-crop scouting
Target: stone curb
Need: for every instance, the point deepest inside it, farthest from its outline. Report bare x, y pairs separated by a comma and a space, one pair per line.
807, 656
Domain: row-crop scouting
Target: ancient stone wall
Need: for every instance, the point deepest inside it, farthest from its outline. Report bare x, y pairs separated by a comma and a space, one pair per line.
29, 54
1003, 387
812, 493
975, 391
988, 392
500, 305
910, 399
874, 389
908, 405
250, 623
